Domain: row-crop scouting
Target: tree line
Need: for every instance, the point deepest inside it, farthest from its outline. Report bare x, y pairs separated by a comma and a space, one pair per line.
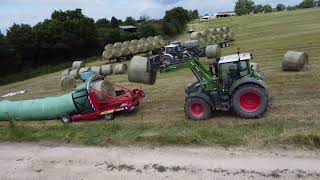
243, 7
70, 34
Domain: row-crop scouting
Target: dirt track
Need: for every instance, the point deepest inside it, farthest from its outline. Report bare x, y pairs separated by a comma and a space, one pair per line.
47, 161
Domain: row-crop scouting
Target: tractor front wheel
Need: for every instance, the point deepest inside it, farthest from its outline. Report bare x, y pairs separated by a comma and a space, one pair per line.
250, 101
197, 109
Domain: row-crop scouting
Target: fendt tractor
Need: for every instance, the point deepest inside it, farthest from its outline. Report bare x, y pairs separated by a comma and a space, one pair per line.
231, 83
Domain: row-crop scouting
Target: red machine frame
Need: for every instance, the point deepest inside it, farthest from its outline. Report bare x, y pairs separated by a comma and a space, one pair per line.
125, 100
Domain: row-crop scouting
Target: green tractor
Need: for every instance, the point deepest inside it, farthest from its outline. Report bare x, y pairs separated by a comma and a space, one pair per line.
231, 83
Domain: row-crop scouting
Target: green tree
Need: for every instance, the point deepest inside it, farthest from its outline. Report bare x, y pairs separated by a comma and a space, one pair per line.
103, 23
144, 18
258, 9
175, 21
267, 8
114, 22
307, 4
244, 7
146, 30
290, 8
193, 14
130, 21
280, 7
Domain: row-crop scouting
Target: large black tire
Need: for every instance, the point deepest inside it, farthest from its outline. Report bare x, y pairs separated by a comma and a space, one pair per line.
166, 60
197, 109
250, 101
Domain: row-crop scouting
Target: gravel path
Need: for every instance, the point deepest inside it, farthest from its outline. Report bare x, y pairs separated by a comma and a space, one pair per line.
55, 161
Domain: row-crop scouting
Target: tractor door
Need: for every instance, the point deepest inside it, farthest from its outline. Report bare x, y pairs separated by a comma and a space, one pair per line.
231, 72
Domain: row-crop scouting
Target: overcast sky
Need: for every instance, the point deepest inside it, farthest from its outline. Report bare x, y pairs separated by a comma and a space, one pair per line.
33, 11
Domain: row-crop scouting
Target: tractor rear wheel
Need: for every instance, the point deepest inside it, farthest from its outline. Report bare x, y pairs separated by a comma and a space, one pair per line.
250, 101
166, 60
197, 109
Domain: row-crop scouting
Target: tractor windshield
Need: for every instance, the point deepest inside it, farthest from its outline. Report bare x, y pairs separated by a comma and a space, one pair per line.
226, 71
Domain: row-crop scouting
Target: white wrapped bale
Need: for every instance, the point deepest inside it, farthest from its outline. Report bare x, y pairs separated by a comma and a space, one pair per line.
231, 35
78, 64
96, 69
107, 55
125, 51
126, 44
108, 47
65, 72
75, 73
134, 49
120, 69
213, 51
67, 83
105, 87
195, 36
137, 72
118, 45
117, 52
191, 44
106, 70
294, 61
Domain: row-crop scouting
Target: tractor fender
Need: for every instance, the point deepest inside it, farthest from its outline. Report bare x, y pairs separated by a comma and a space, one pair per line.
169, 55
202, 96
247, 81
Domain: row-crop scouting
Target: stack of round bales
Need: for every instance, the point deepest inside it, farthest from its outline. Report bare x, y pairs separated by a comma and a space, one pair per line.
294, 61
67, 82
108, 52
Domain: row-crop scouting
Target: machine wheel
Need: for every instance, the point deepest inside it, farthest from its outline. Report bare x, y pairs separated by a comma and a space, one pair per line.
166, 60
197, 109
109, 117
250, 101
66, 118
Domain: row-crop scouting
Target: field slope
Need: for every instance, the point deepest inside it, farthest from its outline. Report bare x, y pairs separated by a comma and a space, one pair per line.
293, 116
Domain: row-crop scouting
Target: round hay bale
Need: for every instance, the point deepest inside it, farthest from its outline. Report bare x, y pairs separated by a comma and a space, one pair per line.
163, 42
213, 51
207, 32
231, 35
158, 37
195, 36
78, 64
219, 30
226, 37
107, 55
105, 87
66, 72
67, 82
126, 44
120, 69
106, 70
203, 42
212, 40
142, 40
83, 69
142, 48
125, 51
118, 45
150, 39
213, 31
218, 38
156, 44
226, 29
135, 41
191, 44
134, 49
108, 47
117, 52
96, 69
149, 46
294, 61
137, 72
75, 73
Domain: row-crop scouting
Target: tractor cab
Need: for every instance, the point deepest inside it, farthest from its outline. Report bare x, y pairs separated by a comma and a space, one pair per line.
174, 49
232, 68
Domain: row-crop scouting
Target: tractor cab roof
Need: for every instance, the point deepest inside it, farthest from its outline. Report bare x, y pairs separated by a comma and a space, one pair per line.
234, 58
172, 45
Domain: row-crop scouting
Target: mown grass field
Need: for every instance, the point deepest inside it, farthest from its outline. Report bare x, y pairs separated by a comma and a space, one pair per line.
293, 116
